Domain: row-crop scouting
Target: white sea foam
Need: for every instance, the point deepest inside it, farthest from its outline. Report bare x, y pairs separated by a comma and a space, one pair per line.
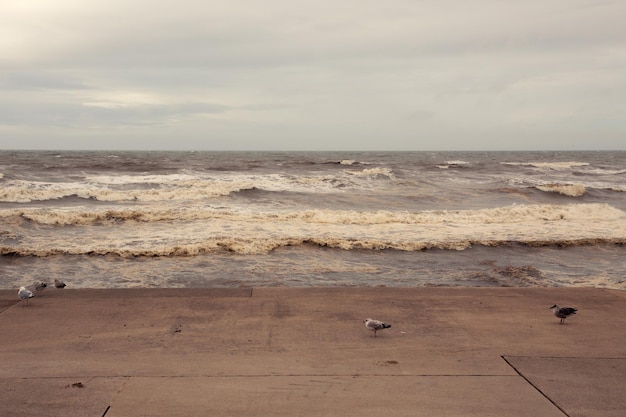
142, 179
252, 232
374, 172
453, 164
180, 187
25, 191
353, 162
504, 215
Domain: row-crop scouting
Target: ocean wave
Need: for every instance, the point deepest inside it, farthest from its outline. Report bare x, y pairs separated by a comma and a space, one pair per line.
351, 162
198, 230
25, 192
454, 164
457, 163
571, 190
577, 189
618, 189
503, 215
181, 178
601, 171
557, 166
374, 172
266, 246
179, 187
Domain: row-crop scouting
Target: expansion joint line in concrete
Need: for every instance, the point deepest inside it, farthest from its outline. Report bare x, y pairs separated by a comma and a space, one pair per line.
13, 304
121, 388
534, 386
127, 378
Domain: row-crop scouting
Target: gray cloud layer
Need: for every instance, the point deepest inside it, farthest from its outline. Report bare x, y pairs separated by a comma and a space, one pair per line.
355, 74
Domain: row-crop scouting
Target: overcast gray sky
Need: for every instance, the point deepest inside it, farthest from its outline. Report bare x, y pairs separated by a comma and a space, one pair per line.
313, 74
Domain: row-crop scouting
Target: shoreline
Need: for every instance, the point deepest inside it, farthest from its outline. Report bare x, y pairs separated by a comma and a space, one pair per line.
599, 266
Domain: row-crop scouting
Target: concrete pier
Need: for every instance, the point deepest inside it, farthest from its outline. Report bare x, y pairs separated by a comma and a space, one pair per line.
305, 352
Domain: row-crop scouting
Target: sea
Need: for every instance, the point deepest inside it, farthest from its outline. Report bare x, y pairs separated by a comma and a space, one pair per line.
313, 219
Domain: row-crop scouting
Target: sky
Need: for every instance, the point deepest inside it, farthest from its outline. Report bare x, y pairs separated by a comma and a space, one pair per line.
313, 75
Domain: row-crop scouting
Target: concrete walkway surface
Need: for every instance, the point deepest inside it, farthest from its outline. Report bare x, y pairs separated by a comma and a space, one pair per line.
305, 352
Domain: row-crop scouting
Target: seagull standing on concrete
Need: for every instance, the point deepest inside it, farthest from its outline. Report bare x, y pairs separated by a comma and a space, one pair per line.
24, 294
375, 325
39, 286
59, 284
562, 312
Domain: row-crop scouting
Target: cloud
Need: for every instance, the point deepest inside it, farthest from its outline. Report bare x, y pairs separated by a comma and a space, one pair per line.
40, 80
102, 114
364, 73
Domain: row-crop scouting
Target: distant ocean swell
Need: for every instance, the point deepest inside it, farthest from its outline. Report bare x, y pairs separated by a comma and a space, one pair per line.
195, 192
195, 186
201, 230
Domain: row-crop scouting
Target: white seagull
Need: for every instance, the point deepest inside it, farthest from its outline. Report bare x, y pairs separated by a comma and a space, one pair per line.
562, 312
24, 294
375, 325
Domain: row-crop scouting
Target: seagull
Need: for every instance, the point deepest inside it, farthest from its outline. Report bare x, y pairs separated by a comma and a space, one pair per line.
59, 284
562, 312
375, 325
24, 294
37, 286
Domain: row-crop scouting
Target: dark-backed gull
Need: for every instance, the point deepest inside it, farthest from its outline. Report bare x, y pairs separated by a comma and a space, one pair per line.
562, 312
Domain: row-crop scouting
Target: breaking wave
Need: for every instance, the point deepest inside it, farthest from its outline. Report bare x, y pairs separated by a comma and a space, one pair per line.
185, 191
454, 164
373, 172
259, 247
185, 187
504, 215
571, 190
199, 230
24, 192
